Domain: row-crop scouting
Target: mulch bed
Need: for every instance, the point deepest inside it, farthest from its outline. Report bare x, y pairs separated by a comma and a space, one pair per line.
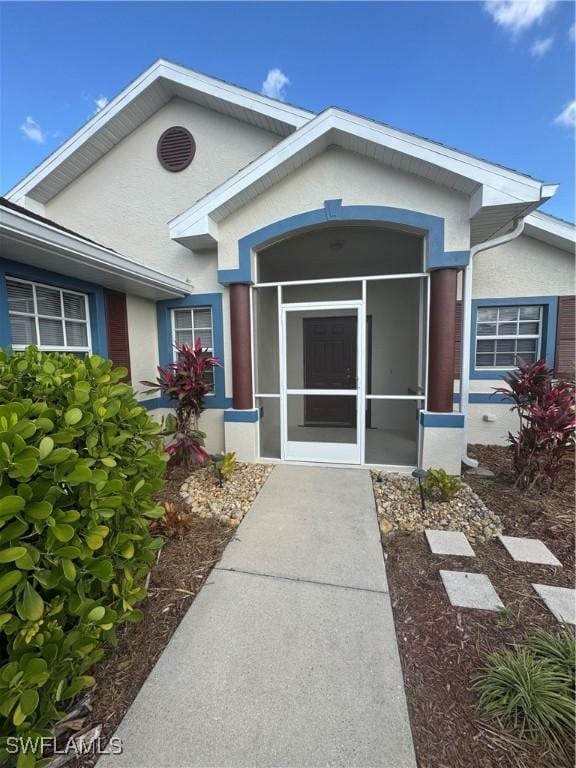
443, 647
177, 577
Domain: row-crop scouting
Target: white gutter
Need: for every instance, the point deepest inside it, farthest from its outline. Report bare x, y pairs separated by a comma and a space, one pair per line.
467, 328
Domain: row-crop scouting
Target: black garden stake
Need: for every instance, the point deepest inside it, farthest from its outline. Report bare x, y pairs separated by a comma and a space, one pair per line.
420, 474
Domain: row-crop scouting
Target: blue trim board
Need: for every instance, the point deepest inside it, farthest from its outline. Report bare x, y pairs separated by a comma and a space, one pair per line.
94, 292
165, 344
484, 398
549, 319
156, 402
449, 420
245, 417
334, 211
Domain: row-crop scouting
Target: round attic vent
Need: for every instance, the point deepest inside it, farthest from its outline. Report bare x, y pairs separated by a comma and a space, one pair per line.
176, 148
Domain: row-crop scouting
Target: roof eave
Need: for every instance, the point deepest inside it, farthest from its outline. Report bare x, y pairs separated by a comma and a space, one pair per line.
159, 74
560, 234
72, 255
493, 185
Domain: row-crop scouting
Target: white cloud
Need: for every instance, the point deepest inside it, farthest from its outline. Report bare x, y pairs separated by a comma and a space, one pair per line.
572, 33
568, 116
32, 131
518, 15
275, 84
100, 102
541, 47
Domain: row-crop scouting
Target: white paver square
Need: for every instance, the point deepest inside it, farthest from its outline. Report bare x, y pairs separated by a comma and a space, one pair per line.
449, 543
471, 590
529, 551
560, 601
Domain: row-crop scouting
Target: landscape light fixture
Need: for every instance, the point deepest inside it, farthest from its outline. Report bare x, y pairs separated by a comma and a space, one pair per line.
420, 474
218, 459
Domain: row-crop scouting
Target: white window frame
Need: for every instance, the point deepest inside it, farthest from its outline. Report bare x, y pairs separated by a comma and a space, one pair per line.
502, 337
194, 336
37, 316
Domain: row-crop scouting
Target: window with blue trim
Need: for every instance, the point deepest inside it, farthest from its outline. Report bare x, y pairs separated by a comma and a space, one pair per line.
52, 318
505, 334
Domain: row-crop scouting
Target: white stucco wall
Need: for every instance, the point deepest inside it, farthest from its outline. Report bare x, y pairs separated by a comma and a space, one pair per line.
523, 267
441, 448
126, 199
143, 340
211, 422
490, 423
242, 439
357, 180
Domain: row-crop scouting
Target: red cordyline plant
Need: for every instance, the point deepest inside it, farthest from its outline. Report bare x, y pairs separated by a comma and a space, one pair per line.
546, 412
185, 383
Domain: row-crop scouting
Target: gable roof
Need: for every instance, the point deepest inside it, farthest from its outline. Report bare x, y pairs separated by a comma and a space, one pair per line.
497, 195
143, 97
488, 183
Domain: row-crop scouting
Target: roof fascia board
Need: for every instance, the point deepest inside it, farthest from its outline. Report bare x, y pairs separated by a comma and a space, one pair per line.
560, 234
161, 69
513, 187
278, 110
285, 150
16, 226
460, 163
554, 226
84, 133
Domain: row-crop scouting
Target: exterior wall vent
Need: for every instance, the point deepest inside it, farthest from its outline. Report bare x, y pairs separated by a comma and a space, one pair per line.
176, 149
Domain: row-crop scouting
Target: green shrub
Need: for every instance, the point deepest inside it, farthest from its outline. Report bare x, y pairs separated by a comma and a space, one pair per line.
225, 464
531, 694
440, 485
79, 462
559, 648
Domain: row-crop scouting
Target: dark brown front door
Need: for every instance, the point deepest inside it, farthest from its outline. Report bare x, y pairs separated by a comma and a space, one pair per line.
330, 363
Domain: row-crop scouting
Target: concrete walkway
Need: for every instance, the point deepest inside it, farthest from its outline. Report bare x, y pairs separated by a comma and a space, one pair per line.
288, 656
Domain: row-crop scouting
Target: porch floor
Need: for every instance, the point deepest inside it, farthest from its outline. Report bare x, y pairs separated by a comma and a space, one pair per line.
288, 656
383, 446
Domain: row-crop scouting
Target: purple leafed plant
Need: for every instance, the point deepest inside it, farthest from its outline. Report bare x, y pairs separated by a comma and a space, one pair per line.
547, 423
185, 382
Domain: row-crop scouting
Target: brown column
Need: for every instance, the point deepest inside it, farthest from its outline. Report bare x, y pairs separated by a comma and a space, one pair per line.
442, 339
241, 334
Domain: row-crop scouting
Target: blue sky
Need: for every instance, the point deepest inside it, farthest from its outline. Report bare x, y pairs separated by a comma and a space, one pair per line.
496, 82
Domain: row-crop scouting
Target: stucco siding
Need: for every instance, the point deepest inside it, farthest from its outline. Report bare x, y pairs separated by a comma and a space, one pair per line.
211, 422
356, 180
523, 267
441, 449
127, 198
489, 423
143, 341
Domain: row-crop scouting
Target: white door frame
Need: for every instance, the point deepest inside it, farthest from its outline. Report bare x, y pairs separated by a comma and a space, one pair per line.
338, 453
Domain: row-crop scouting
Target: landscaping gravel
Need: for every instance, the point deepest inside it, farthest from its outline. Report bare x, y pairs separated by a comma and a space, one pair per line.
227, 503
400, 509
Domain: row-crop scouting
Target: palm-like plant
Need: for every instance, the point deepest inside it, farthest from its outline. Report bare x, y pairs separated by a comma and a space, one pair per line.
530, 691
546, 423
185, 382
